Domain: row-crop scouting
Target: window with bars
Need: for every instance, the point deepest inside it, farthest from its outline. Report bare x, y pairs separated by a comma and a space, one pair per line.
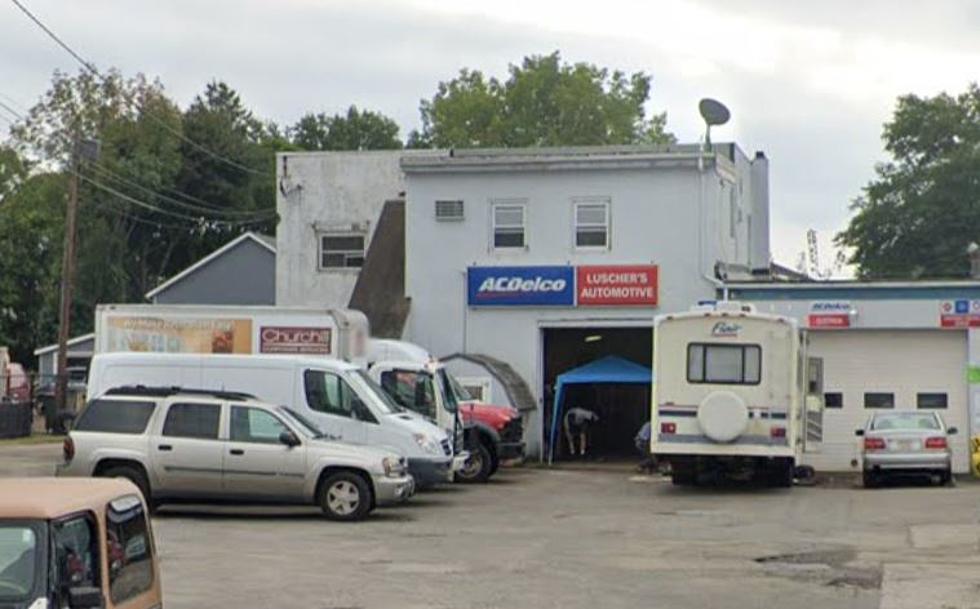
592, 224
341, 250
508, 225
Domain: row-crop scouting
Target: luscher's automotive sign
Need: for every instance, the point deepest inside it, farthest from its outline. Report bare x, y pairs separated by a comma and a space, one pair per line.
521, 286
562, 286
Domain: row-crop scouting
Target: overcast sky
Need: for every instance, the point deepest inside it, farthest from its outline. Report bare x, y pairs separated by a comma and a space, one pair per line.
808, 83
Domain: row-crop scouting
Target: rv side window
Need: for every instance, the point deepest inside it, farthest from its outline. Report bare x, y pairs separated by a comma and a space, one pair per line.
724, 364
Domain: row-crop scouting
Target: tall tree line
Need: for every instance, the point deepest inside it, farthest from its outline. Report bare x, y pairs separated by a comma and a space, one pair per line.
172, 184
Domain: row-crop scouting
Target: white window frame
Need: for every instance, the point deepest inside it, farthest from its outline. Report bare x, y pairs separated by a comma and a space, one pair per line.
321, 235
484, 383
515, 203
591, 201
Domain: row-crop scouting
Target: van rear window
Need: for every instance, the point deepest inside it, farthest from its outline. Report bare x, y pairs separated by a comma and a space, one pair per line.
115, 416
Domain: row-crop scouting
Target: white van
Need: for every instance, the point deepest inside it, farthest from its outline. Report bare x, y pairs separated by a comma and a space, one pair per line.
338, 396
730, 395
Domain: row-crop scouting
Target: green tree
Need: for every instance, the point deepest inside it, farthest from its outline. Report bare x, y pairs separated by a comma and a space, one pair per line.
355, 130
922, 209
543, 102
31, 233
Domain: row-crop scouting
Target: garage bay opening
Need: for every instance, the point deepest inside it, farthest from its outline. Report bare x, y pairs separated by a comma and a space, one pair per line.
599, 370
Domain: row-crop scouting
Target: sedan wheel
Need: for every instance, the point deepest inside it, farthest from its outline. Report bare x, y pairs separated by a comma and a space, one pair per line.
345, 496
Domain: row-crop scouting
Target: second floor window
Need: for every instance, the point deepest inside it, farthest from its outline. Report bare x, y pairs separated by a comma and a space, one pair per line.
341, 250
592, 224
508, 225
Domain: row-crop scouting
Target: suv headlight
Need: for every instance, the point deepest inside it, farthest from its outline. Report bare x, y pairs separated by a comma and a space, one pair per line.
427, 444
394, 467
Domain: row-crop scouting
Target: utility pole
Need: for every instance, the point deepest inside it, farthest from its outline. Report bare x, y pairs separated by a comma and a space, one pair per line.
88, 149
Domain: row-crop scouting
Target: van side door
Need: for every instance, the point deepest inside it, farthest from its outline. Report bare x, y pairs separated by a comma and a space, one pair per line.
187, 450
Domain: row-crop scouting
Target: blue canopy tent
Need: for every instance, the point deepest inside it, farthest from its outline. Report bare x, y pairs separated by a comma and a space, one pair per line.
609, 370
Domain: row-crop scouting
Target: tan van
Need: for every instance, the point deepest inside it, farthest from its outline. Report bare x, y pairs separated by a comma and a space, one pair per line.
78, 544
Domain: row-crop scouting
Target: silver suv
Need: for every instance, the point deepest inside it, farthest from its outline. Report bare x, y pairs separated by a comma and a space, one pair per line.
180, 444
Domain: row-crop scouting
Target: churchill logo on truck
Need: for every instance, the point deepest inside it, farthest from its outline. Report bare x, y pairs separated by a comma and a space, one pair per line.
280, 339
520, 286
725, 329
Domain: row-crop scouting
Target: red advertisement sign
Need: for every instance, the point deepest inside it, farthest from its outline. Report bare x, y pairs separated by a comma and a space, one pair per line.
616, 286
836, 320
279, 339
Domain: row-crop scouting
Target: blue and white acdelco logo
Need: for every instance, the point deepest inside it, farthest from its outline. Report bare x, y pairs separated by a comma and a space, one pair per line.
520, 286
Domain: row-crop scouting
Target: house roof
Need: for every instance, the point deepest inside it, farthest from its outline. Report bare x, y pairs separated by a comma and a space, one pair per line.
71, 343
265, 241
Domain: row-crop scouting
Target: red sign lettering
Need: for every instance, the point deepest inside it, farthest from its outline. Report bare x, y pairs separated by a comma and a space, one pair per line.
830, 320
617, 286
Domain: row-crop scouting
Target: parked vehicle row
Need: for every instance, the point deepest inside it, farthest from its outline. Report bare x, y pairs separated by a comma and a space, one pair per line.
481, 436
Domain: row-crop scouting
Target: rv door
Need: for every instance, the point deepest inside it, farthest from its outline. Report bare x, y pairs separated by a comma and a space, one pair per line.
813, 404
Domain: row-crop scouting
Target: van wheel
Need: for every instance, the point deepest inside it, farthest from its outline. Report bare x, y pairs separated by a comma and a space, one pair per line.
345, 496
478, 467
134, 475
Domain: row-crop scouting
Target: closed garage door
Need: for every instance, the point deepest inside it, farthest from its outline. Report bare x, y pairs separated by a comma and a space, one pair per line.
913, 368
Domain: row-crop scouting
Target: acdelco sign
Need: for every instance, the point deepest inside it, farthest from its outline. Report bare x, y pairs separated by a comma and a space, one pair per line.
280, 339
520, 286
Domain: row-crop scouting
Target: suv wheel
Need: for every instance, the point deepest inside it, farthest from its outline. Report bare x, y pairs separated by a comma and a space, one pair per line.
478, 467
133, 474
345, 496
870, 479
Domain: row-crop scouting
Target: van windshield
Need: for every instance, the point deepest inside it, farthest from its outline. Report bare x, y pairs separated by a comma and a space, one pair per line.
384, 401
20, 560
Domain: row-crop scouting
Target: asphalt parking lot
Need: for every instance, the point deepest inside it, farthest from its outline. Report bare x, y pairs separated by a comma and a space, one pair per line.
578, 538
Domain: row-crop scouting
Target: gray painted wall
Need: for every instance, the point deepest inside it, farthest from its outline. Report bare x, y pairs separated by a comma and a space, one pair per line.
244, 275
322, 192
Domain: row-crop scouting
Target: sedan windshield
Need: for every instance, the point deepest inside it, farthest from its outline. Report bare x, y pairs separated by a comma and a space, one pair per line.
904, 421
19, 557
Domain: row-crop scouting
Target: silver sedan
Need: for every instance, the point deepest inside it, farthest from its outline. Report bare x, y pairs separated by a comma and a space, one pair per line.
906, 443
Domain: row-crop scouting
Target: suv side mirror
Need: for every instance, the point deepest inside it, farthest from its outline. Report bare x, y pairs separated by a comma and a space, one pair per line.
951, 431
85, 597
289, 439
858, 432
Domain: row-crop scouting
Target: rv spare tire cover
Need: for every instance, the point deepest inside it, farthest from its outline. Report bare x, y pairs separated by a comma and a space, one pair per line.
723, 416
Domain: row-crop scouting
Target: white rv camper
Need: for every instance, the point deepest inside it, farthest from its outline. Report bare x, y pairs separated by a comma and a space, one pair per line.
730, 395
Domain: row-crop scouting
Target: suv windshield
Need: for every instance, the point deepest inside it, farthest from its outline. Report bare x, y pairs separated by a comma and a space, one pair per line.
904, 421
387, 405
306, 426
20, 558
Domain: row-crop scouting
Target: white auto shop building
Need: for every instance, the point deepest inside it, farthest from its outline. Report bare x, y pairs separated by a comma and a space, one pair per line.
886, 345
549, 259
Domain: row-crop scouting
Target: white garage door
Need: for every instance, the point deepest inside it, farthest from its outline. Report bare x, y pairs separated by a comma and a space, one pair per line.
915, 366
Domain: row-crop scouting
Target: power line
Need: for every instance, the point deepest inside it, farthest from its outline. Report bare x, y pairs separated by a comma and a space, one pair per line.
150, 207
259, 215
91, 69
119, 179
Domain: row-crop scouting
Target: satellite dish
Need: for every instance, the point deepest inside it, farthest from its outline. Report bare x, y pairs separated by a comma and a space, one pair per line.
714, 113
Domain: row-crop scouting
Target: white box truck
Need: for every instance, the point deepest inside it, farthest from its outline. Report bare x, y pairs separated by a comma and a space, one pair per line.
730, 395
242, 330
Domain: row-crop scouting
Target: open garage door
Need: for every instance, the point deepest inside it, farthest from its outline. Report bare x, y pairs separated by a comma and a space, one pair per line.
911, 369
623, 408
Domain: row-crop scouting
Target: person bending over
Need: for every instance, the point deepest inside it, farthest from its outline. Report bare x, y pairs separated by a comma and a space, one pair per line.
578, 422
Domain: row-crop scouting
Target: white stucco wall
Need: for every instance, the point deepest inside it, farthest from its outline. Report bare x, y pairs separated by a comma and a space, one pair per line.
323, 191
655, 218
